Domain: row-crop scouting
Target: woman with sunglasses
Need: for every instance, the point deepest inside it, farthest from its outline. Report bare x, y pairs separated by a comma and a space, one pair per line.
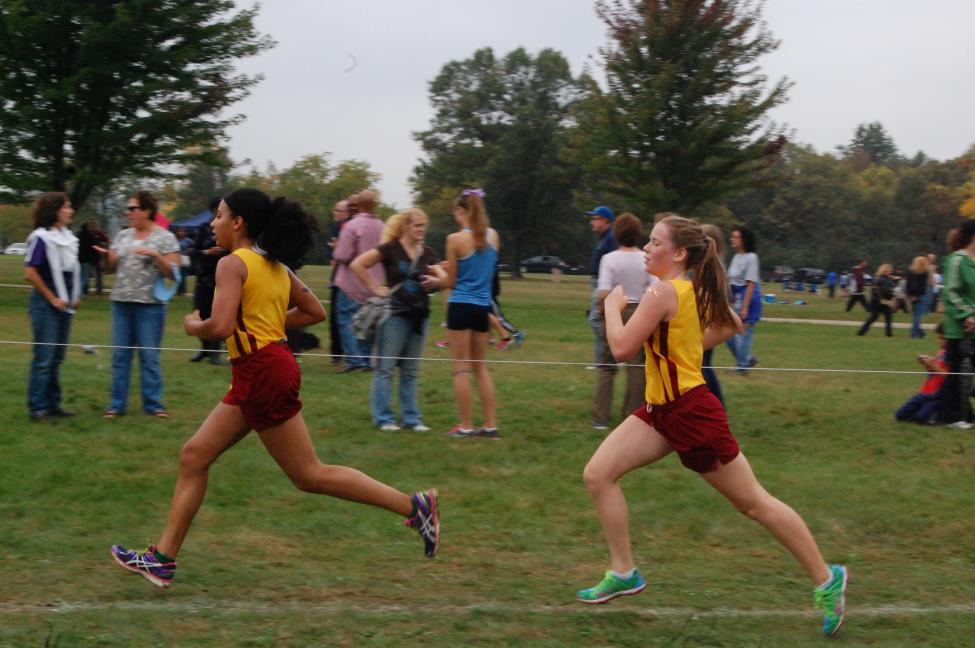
140, 254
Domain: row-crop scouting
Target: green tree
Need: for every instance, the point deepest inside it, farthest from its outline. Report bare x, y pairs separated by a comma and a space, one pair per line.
202, 181
502, 124
315, 182
682, 119
874, 143
90, 91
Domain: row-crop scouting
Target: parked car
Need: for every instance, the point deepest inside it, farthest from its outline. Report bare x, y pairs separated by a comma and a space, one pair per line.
782, 273
541, 264
810, 275
18, 249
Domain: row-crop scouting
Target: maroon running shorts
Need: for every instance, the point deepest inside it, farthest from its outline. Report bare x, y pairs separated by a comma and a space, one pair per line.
696, 427
265, 386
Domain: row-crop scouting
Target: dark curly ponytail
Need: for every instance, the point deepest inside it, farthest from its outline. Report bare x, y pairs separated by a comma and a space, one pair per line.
280, 227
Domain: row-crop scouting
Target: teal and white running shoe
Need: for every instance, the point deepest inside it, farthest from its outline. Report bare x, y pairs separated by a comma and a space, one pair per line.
612, 586
831, 599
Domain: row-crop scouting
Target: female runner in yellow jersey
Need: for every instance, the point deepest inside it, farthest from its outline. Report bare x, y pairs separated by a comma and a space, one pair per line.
679, 317
257, 297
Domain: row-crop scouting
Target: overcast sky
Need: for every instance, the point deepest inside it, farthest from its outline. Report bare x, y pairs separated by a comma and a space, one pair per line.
349, 77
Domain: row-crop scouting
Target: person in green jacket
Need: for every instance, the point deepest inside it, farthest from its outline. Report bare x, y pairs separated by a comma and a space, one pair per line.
959, 277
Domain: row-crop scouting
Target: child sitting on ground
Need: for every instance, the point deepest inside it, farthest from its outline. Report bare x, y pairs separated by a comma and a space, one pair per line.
922, 407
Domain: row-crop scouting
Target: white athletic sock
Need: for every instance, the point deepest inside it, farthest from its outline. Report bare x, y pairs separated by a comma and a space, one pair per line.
625, 575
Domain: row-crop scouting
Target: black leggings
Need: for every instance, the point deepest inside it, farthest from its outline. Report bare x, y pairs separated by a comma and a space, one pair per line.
955, 405
505, 324
858, 297
878, 310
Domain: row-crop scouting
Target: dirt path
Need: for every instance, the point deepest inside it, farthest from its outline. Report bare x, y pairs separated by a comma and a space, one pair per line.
877, 324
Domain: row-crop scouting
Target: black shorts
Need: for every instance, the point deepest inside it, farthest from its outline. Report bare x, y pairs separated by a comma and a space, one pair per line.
463, 317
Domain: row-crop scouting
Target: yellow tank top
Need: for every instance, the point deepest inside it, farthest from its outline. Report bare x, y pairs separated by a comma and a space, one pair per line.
675, 350
263, 305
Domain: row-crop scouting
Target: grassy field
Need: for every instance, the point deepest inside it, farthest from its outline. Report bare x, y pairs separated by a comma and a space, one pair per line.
265, 565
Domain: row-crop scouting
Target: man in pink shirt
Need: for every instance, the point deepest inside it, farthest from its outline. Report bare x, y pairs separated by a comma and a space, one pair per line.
360, 234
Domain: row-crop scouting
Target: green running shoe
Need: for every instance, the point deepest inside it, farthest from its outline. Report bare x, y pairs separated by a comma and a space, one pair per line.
612, 586
831, 599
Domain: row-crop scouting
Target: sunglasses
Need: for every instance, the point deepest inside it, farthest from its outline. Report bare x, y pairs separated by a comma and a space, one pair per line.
132, 208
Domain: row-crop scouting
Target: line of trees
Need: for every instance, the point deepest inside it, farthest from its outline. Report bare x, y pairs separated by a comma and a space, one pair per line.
674, 116
678, 121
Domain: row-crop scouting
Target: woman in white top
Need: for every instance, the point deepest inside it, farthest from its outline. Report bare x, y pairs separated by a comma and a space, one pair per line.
623, 267
51, 267
743, 274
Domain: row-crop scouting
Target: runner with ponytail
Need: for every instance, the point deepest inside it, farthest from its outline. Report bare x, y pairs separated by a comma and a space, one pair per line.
257, 297
679, 317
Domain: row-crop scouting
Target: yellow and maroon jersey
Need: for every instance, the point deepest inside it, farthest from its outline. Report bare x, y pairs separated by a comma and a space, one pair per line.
675, 350
263, 305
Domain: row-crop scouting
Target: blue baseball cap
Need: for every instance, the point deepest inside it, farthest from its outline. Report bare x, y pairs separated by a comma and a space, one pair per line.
603, 212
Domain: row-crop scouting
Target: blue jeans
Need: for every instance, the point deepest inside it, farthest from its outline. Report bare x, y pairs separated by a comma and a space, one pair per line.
741, 347
50, 327
920, 408
89, 270
351, 345
921, 308
396, 339
137, 325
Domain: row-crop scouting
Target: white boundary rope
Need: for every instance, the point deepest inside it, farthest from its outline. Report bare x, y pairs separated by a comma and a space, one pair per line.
554, 363
275, 607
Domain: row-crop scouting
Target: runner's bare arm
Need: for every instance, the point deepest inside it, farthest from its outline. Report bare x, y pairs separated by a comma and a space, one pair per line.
230, 277
659, 303
305, 309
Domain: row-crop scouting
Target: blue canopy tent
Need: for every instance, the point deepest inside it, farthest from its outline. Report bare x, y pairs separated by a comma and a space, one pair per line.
191, 225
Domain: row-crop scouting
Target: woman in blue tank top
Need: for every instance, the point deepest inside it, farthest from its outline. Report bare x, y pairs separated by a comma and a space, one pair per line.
471, 257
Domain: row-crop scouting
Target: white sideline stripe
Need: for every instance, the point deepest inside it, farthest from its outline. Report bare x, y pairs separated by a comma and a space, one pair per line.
250, 607
828, 322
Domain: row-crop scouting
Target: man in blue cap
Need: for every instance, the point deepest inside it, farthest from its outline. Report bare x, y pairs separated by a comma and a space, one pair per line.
601, 222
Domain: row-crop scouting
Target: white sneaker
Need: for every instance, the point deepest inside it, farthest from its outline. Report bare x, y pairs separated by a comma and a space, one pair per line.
420, 427
960, 425
389, 427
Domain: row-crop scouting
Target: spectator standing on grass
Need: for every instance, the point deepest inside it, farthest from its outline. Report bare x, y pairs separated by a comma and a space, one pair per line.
404, 258
601, 223
186, 263
831, 283
472, 255
959, 270
678, 317
340, 216
858, 287
900, 291
89, 236
206, 254
882, 300
744, 275
707, 363
919, 293
258, 298
140, 254
624, 267
51, 267
360, 234
936, 282
923, 406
